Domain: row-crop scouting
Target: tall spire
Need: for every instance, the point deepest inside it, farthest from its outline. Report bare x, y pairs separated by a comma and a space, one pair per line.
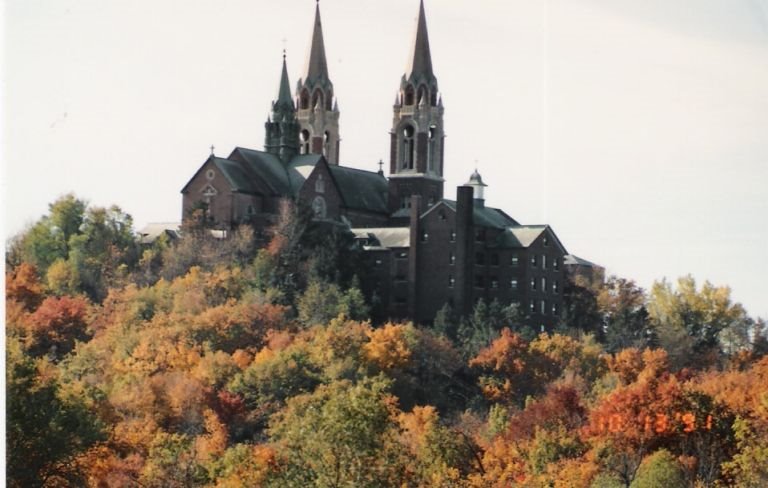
317, 65
284, 98
421, 59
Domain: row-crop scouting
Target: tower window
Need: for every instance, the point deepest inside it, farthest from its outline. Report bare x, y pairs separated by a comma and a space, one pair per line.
317, 99
304, 99
304, 140
431, 149
409, 95
326, 144
408, 148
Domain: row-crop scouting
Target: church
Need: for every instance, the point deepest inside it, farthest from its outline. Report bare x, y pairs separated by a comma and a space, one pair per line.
425, 251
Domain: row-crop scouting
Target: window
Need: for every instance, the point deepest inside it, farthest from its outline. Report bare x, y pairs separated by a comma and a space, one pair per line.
318, 207
402, 255
534, 261
544, 261
494, 259
408, 148
480, 258
479, 282
533, 283
544, 285
378, 262
401, 278
546, 240
514, 260
405, 202
304, 139
431, 149
451, 281
250, 210
210, 174
513, 284
532, 306
320, 184
441, 214
327, 144
554, 309
494, 282
453, 235
556, 263
555, 287
480, 235
451, 259
424, 236
543, 307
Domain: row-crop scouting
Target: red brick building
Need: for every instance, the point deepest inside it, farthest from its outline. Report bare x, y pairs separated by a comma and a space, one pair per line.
424, 251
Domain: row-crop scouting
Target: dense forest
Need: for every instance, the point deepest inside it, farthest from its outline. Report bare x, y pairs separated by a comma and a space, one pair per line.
252, 361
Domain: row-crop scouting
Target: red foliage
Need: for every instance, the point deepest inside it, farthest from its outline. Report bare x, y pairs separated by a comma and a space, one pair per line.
560, 406
23, 286
57, 323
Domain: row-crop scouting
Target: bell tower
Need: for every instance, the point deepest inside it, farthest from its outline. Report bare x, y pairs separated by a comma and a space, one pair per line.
318, 111
282, 128
417, 136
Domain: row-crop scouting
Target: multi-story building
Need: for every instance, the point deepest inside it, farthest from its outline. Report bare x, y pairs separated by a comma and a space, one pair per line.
424, 251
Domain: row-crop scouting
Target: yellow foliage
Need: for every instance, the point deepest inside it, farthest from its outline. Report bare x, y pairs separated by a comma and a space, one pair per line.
389, 346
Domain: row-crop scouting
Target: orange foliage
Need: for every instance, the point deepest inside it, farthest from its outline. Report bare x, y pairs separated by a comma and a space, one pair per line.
22, 285
389, 346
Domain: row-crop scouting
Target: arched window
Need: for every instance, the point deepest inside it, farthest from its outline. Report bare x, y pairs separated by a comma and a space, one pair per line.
409, 95
408, 148
317, 99
304, 142
320, 184
326, 144
318, 207
431, 149
422, 93
304, 99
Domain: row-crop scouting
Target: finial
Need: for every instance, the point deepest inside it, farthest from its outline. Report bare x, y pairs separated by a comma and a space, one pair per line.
285, 42
381, 166
212, 148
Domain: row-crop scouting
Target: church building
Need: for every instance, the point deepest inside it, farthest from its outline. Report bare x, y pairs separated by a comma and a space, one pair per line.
425, 250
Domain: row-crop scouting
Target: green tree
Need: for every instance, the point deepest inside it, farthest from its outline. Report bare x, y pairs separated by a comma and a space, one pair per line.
658, 470
621, 305
689, 321
340, 435
46, 432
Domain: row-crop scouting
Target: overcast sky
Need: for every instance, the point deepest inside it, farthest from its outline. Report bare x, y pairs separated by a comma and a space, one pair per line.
637, 128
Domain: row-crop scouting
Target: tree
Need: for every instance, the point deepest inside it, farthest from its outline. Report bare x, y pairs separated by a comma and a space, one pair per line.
45, 433
340, 435
621, 304
659, 469
689, 321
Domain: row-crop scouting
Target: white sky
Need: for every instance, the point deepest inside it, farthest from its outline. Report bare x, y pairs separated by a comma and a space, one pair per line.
637, 128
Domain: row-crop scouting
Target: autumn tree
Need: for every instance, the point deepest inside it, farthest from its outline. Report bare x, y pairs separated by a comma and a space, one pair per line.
624, 318
691, 322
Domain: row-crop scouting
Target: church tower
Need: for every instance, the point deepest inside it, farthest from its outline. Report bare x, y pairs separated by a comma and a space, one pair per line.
318, 112
417, 136
282, 129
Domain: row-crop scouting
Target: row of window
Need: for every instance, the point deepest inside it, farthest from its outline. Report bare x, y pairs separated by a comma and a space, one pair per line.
513, 283
543, 309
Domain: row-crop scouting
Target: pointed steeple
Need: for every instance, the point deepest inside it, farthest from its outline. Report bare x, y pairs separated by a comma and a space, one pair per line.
317, 109
317, 65
420, 64
284, 98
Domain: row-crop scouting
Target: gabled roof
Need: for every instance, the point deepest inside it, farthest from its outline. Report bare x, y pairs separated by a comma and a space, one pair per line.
572, 260
266, 167
360, 189
152, 231
384, 237
487, 216
520, 236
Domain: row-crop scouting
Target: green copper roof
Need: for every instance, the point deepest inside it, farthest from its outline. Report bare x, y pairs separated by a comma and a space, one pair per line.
364, 190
